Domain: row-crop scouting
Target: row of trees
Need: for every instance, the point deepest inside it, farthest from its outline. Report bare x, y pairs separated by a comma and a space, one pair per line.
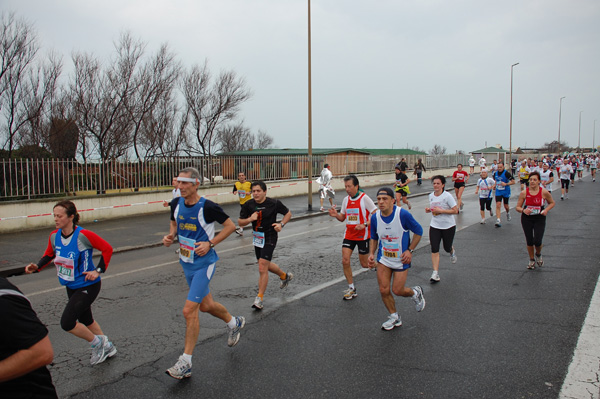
135, 104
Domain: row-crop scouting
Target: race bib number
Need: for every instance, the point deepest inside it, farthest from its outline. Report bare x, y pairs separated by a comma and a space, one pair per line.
535, 210
391, 250
242, 194
258, 239
186, 249
65, 268
484, 193
352, 216
500, 187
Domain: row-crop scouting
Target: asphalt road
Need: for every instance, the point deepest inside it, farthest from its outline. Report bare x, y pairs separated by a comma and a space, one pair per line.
491, 328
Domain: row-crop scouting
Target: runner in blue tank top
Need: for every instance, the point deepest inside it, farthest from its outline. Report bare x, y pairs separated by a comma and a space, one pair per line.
192, 221
503, 182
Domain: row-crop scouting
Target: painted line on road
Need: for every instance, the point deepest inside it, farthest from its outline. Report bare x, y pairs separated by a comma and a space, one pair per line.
582, 379
171, 263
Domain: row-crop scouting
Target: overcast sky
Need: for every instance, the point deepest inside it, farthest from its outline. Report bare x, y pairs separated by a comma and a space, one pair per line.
384, 73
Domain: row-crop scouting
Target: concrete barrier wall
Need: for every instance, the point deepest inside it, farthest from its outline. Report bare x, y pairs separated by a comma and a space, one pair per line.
112, 206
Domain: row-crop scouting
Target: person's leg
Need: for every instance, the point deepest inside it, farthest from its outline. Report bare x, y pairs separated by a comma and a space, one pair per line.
398, 198
79, 308
498, 206
399, 282
435, 238
456, 193
482, 202
405, 200
506, 206
346, 254
214, 308
192, 326
384, 277
363, 253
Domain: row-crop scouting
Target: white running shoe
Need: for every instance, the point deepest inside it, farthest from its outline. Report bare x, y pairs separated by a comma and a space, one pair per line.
531, 264
497, 224
453, 257
181, 369
109, 348
508, 216
419, 299
482, 221
99, 353
258, 303
239, 231
391, 322
233, 334
539, 260
435, 277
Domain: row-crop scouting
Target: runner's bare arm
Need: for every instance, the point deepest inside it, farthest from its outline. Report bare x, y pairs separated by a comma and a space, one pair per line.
168, 239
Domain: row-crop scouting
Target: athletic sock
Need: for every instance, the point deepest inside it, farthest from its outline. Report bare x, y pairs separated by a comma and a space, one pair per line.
284, 276
187, 357
261, 296
96, 340
232, 323
351, 286
394, 315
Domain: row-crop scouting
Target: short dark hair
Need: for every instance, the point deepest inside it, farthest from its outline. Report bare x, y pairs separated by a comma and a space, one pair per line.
440, 178
70, 208
352, 178
259, 183
535, 173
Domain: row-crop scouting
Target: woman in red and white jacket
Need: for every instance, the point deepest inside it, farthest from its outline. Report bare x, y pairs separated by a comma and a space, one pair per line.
71, 248
534, 204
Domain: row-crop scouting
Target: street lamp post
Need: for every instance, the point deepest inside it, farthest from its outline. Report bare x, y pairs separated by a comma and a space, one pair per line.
309, 118
511, 106
594, 137
579, 138
559, 114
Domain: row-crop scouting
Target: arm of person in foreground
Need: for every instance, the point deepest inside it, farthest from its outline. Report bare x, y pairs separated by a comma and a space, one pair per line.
27, 360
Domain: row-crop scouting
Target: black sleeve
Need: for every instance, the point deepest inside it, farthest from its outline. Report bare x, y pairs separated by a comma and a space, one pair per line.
44, 261
173, 205
282, 209
509, 176
20, 328
234, 189
551, 174
214, 213
245, 211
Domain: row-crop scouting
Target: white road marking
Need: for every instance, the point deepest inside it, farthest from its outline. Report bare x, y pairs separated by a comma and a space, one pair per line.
582, 380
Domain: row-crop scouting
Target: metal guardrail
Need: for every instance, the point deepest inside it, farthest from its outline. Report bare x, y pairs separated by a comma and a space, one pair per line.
38, 178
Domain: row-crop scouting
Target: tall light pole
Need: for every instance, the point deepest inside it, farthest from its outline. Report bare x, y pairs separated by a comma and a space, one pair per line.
511, 102
309, 118
594, 137
579, 139
559, 114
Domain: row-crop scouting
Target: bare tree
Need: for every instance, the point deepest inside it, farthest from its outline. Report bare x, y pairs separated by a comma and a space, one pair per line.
37, 108
154, 82
235, 138
437, 150
209, 106
100, 97
18, 49
263, 140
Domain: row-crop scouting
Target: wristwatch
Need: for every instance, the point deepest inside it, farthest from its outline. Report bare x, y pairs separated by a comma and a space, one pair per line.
211, 244
282, 224
411, 250
99, 270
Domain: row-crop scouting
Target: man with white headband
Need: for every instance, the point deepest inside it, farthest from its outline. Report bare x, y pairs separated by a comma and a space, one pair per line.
390, 237
192, 220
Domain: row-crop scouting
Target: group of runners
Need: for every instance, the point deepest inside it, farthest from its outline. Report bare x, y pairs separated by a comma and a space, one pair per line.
381, 231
